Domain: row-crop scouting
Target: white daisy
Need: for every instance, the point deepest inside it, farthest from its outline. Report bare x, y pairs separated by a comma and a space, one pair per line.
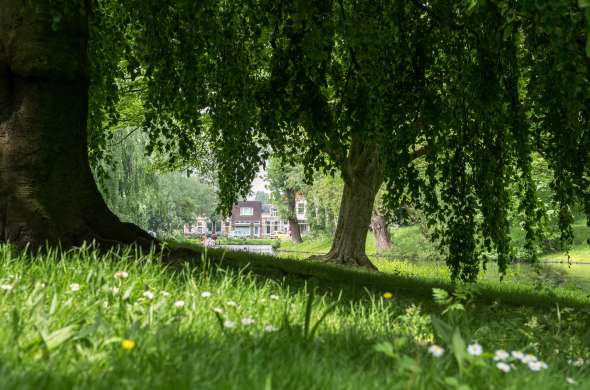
6, 287
248, 321
231, 303
270, 328
579, 362
436, 351
536, 365
149, 295
179, 304
205, 294
571, 381
274, 297
218, 310
528, 358
121, 275
229, 324
517, 355
114, 290
75, 287
474, 349
501, 355
504, 367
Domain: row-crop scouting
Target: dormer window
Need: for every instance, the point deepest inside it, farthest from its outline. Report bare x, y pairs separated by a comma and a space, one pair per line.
246, 211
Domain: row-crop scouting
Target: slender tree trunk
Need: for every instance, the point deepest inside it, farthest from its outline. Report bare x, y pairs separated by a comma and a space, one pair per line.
47, 191
292, 218
381, 232
362, 180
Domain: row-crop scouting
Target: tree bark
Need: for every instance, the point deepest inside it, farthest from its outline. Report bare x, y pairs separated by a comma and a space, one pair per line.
362, 178
380, 232
47, 192
292, 218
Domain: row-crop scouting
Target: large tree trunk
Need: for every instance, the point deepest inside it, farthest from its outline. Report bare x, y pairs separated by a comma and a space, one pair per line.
292, 218
380, 232
47, 191
362, 178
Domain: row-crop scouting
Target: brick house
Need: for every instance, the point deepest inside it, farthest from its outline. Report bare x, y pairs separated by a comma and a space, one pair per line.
246, 219
252, 219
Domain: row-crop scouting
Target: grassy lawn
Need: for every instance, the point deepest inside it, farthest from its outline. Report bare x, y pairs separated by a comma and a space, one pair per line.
75, 321
411, 250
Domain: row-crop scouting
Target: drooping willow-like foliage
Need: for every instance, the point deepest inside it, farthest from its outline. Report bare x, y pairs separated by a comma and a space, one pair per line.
475, 88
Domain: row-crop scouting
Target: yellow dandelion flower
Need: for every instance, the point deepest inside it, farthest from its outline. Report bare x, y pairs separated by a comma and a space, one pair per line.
127, 344
388, 295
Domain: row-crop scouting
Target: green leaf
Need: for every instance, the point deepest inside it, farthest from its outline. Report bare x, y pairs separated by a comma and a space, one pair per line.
583, 3
53, 307
442, 329
406, 363
459, 348
328, 310
308, 310
57, 338
440, 296
385, 348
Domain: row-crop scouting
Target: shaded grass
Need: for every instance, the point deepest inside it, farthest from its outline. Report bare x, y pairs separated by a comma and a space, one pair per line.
405, 277
186, 348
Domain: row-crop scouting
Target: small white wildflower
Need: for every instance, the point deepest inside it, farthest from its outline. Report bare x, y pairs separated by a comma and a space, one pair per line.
504, 367
75, 287
501, 355
248, 321
6, 287
231, 303
571, 381
114, 290
528, 358
535, 365
121, 275
165, 294
436, 351
205, 294
270, 328
474, 349
179, 304
218, 310
229, 324
274, 297
579, 362
149, 295
517, 355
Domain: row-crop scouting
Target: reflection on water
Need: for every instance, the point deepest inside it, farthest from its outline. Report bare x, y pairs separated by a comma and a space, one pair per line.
261, 249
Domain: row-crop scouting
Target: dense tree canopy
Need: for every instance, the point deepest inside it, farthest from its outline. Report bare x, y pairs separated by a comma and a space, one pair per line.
472, 88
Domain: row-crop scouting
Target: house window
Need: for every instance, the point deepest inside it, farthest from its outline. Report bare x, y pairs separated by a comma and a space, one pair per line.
246, 211
273, 212
300, 208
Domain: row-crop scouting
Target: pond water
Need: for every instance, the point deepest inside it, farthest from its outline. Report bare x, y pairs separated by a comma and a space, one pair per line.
261, 249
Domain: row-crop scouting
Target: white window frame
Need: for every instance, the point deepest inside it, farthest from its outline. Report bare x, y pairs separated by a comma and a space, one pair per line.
246, 211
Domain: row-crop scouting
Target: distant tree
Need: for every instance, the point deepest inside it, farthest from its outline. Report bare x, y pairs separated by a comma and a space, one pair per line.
138, 193
323, 201
285, 182
262, 196
380, 224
